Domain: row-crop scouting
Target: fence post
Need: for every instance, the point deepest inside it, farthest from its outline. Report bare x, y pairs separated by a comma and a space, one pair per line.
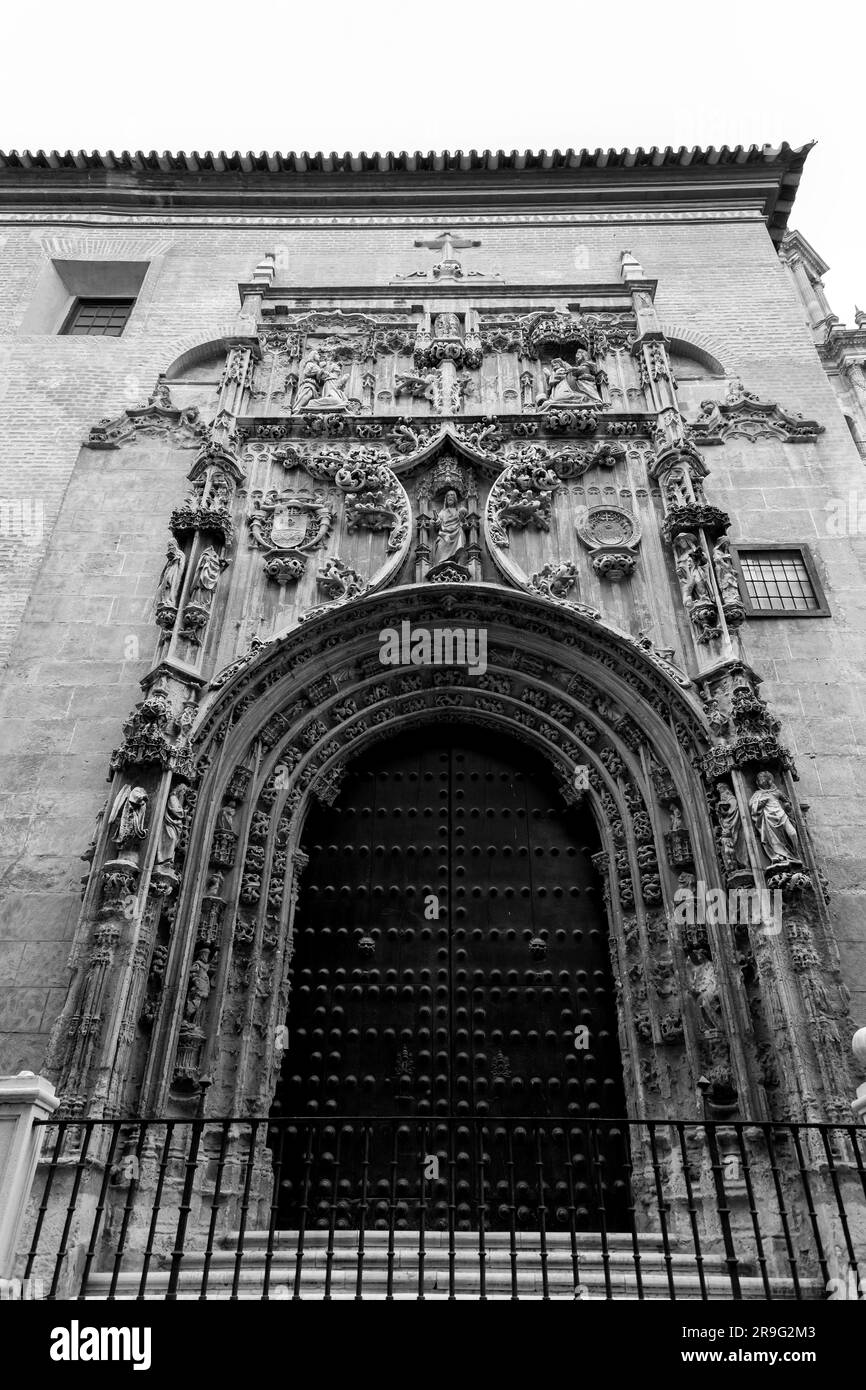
24, 1099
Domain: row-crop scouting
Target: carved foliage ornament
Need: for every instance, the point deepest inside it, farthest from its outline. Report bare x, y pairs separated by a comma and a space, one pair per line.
521, 497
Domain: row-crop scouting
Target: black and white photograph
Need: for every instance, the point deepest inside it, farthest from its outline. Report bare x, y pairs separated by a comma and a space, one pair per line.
432, 681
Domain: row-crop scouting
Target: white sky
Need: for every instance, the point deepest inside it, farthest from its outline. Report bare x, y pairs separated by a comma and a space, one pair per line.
456, 74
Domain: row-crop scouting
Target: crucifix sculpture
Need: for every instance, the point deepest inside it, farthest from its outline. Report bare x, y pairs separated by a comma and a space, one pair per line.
448, 268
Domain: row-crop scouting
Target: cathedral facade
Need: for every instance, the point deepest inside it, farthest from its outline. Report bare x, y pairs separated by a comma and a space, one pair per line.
439, 579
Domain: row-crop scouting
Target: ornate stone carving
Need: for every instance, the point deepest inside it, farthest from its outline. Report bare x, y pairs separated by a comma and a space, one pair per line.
743, 414
321, 382
127, 820
695, 586
568, 384
555, 581
448, 267
729, 588
168, 589
288, 526
521, 496
769, 809
172, 823
416, 385
207, 505
338, 580
612, 535
201, 594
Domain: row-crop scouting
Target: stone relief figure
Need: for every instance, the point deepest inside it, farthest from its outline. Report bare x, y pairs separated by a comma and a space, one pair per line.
723, 563
310, 379
214, 884
128, 817
732, 841
227, 818
333, 383
704, 987
710, 418
198, 989
171, 577
171, 827
564, 381
452, 536
691, 569
737, 393
206, 575
776, 830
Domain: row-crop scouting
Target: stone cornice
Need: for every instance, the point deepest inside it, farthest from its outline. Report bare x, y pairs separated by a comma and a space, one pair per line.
433, 181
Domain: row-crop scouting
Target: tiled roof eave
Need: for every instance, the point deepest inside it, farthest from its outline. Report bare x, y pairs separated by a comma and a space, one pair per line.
458, 161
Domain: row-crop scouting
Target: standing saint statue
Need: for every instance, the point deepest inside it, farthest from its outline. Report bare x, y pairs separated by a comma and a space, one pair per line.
198, 988
172, 574
776, 830
691, 572
452, 536
731, 839
171, 827
128, 816
723, 562
206, 575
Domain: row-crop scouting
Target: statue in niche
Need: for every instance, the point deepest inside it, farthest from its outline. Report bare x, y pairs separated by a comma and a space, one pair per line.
723, 563
171, 827
227, 818
128, 816
691, 570
206, 575
333, 384
322, 382
198, 989
732, 841
214, 884
310, 379
565, 382
452, 536
704, 988
171, 577
768, 808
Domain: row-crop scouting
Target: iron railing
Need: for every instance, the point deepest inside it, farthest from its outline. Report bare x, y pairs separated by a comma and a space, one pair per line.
445, 1207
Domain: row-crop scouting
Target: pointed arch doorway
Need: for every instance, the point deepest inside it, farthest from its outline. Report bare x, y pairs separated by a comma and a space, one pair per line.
450, 970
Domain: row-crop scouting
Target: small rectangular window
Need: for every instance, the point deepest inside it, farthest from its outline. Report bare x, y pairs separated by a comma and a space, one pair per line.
780, 582
98, 318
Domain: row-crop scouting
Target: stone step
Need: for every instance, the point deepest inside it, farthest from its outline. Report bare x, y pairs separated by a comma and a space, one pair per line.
598, 1271
404, 1284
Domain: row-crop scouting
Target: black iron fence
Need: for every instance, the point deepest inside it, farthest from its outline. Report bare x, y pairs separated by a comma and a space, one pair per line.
448, 1207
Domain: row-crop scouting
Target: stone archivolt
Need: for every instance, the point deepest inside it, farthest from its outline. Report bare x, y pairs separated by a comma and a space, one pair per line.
683, 784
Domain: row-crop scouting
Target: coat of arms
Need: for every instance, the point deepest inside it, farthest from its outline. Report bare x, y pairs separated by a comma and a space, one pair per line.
288, 527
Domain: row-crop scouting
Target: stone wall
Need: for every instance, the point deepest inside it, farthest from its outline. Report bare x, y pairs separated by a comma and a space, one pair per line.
75, 612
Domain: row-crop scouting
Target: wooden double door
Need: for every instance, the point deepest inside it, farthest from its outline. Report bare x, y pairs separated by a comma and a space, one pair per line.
452, 1022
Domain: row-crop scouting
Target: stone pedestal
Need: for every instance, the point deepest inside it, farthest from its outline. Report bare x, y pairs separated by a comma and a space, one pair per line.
24, 1099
